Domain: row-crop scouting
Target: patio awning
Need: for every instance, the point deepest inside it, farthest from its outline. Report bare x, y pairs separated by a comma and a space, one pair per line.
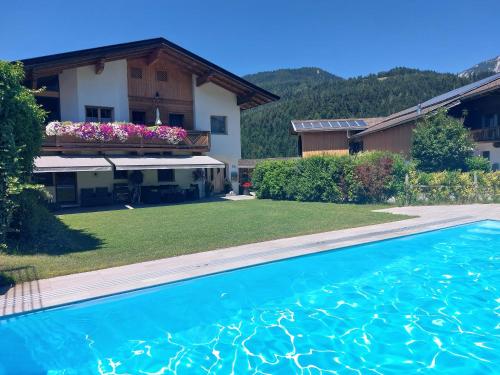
61, 163
123, 163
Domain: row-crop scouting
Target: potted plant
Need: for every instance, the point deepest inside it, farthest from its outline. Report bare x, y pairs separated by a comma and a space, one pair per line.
228, 187
246, 187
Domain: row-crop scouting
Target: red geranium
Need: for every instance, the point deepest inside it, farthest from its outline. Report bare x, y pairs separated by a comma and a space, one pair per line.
246, 184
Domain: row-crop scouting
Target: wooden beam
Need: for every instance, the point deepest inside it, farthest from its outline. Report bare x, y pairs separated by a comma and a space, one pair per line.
153, 57
99, 66
246, 98
205, 78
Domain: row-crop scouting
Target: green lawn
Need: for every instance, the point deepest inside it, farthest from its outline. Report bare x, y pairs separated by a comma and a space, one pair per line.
89, 241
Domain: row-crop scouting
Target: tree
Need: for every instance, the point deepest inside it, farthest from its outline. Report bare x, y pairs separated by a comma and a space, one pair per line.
21, 119
441, 142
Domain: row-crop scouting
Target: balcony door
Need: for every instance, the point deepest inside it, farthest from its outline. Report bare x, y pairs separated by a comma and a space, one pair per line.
66, 187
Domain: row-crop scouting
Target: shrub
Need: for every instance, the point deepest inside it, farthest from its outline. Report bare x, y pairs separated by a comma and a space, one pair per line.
366, 177
441, 142
452, 187
369, 177
374, 179
31, 215
478, 163
20, 138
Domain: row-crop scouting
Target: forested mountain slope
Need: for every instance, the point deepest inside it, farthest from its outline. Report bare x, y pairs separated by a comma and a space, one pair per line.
309, 93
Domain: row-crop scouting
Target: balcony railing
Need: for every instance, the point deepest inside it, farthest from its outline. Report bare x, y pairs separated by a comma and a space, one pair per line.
486, 135
196, 141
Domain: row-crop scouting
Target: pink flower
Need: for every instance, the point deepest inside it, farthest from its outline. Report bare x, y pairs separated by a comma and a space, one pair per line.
107, 132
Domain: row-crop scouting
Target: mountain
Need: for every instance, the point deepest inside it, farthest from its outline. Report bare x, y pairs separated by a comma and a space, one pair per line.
309, 93
483, 69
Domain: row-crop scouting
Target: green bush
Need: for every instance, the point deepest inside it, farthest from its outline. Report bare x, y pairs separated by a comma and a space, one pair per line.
365, 177
451, 187
31, 216
441, 142
478, 163
370, 177
20, 138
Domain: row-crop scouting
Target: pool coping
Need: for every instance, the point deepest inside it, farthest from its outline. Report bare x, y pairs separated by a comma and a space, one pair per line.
64, 290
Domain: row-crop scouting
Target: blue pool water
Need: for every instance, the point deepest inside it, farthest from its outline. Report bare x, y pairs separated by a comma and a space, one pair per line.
426, 303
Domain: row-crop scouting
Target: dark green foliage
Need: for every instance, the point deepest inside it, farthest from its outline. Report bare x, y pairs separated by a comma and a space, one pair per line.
478, 163
370, 177
31, 217
310, 93
366, 177
440, 143
20, 138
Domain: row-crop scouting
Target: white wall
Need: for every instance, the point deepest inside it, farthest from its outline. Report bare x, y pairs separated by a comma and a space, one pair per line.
68, 95
494, 152
81, 87
212, 100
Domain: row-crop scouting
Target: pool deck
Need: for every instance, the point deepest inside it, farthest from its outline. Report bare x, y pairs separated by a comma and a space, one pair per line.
66, 289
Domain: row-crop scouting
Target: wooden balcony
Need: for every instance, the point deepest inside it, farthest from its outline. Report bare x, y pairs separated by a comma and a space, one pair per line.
196, 141
486, 135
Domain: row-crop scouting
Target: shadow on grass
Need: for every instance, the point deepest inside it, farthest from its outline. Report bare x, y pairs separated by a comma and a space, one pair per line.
79, 210
24, 296
52, 238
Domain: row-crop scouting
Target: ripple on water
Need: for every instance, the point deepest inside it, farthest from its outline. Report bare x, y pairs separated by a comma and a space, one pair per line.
418, 304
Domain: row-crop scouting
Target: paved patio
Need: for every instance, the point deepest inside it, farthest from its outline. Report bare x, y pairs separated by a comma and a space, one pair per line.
65, 289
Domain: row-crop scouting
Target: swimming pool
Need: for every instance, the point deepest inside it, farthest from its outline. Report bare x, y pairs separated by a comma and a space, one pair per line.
419, 303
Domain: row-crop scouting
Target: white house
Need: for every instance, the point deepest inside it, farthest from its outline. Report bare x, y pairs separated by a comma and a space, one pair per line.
144, 82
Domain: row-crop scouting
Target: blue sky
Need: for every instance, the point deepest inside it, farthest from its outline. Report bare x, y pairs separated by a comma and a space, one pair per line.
347, 38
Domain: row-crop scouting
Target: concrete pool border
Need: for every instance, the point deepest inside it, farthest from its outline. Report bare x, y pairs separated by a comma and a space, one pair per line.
68, 289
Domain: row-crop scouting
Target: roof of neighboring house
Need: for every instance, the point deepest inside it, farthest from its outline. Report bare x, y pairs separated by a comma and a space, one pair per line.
303, 126
249, 95
446, 100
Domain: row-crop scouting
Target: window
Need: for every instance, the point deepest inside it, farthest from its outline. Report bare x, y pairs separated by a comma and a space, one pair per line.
98, 114
139, 117
175, 119
120, 175
486, 155
166, 175
218, 125
136, 73
161, 75
43, 179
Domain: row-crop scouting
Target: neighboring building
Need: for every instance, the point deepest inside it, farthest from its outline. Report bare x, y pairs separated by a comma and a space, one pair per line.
135, 82
330, 137
480, 101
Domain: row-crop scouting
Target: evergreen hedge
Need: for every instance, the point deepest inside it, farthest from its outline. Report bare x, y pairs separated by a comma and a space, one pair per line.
369, 177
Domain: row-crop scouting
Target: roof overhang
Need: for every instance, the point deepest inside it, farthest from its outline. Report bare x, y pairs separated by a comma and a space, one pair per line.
59, 163
446, 101
406, 118
248, 94
124, 163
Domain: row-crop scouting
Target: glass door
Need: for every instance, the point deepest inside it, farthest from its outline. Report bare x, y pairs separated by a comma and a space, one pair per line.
66, 187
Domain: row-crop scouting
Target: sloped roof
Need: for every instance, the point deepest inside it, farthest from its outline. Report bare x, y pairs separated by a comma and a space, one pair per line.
322, 125
249, 95
446, 100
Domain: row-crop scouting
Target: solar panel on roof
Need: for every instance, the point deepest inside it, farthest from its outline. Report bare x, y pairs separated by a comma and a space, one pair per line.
459, 91
333, 124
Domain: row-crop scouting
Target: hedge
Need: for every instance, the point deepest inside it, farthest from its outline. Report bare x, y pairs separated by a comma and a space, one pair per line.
452, 187
368, 178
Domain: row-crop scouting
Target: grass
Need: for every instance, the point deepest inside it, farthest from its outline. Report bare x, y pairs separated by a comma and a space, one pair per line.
95, 240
